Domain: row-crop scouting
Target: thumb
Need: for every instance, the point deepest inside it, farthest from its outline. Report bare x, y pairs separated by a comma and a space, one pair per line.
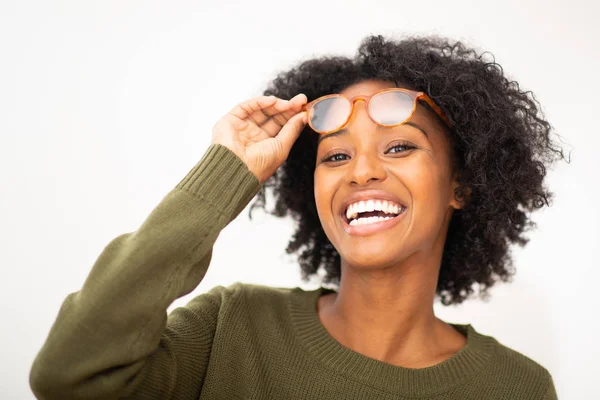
290, 131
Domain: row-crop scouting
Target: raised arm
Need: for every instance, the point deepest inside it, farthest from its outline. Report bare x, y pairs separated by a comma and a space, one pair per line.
106, 333
112, 339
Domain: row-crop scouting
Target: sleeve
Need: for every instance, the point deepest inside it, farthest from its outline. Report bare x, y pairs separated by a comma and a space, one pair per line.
112, 338
551, 391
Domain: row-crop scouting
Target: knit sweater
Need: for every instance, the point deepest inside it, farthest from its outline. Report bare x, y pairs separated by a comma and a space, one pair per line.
113, 339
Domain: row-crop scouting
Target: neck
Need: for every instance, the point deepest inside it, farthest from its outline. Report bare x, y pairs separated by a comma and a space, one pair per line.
382, 318
387, 313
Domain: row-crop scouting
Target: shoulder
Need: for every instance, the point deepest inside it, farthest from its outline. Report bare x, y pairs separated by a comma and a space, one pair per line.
244, 304
522, 364
258, 309
254, 294
244, 294
518, 373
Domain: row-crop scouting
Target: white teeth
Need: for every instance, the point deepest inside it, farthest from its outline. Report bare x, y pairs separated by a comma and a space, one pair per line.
369, 220
362, 206
386, 206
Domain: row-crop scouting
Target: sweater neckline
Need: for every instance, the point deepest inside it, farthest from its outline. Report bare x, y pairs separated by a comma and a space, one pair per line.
418, 382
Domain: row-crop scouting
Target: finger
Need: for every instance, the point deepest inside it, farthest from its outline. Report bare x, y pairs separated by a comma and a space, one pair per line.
262, 116
273, 125
254, 105
290, 132
288, 108
300, 99
295, 102
276, 121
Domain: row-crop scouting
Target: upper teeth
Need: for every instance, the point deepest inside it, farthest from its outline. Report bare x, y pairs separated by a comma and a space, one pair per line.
386, 206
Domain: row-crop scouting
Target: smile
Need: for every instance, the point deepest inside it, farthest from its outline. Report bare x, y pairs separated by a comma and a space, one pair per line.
371, 225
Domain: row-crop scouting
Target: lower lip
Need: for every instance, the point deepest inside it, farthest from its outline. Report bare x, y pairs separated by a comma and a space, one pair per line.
369, 229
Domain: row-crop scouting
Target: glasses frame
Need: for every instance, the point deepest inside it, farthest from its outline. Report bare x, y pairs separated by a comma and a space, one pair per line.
415, 95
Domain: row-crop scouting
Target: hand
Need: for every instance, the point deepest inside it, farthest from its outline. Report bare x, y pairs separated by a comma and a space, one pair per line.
261, 132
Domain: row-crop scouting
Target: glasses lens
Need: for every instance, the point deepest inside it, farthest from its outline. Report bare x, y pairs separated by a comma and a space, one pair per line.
329, 114
391, 108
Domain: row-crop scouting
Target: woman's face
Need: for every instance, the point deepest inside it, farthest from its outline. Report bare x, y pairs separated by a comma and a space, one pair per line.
408, 164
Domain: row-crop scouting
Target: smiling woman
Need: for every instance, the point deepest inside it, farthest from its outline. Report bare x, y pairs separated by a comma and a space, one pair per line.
413, 169
495, 156
437, 195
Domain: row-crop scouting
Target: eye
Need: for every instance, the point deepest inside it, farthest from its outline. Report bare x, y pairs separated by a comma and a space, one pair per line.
402, 146
331, 157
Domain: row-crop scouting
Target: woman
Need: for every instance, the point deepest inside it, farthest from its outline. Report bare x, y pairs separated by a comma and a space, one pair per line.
409, 173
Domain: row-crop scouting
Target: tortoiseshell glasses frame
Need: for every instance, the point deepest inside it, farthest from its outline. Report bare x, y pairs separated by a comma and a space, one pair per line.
414, 95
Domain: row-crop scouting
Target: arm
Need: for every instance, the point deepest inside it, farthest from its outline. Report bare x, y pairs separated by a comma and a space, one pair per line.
112, 335
551, 391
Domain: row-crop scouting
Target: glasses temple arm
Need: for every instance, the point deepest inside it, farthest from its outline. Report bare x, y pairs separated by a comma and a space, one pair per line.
435, 108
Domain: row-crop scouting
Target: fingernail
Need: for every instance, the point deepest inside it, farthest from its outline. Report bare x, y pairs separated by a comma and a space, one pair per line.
299, 95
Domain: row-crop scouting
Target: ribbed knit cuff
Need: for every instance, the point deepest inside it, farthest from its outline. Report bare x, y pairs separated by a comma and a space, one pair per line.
223, 179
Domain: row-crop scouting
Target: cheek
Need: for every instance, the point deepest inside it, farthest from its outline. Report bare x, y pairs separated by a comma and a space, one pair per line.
428, 190
421, 180
323, 193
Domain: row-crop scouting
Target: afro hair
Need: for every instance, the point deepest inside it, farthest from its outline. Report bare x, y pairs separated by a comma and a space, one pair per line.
501, 149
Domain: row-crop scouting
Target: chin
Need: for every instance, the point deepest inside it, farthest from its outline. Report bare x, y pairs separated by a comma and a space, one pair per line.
368, 256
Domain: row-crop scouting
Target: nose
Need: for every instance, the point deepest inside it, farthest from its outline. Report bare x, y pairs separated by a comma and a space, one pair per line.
364, 168
365, 165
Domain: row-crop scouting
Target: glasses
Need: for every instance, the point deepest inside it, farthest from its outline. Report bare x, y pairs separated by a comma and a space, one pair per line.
387, 107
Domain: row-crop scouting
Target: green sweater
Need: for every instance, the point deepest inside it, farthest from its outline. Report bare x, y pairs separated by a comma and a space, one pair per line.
113, 338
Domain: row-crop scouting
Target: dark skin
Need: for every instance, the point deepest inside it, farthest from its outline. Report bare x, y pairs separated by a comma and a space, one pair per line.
384, 306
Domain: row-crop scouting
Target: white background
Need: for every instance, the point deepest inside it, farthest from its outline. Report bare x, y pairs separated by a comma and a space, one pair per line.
105, 106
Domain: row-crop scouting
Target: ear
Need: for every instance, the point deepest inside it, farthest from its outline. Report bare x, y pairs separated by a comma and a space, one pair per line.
458, 196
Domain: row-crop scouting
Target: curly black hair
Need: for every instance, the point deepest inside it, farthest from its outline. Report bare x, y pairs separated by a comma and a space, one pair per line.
501, 148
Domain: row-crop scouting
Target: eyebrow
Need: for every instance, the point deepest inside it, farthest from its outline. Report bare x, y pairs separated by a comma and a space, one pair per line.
345, 131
